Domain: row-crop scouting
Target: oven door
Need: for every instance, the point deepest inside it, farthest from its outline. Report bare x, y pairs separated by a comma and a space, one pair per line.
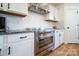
46, 43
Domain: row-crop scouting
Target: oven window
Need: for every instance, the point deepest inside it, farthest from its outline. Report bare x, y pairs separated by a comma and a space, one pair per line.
44, 42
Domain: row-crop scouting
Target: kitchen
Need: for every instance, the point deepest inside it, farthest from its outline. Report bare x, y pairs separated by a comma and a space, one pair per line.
35, 29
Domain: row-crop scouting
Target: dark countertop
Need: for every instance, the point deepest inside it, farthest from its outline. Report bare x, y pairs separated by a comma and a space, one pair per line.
17, 32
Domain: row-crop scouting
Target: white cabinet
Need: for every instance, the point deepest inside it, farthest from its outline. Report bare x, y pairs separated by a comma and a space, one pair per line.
15, 9
50, 15
56, 17
53, 13
58, 38
23, 48
20, 44
3, 6
61, 36
18, 7
57, 41
2, 44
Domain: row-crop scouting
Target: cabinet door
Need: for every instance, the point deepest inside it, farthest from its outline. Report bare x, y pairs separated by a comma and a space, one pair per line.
53, 13
77, 17
50, 15
21, 44
56, 39
2, 43
77, 23
3, 6
18, 7
25, 48
70, 25
56, 14
61, 34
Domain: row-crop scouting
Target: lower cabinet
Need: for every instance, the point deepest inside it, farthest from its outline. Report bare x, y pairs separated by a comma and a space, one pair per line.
24, 48
17, 44
61, 36
58, 38
20, 44
1, 44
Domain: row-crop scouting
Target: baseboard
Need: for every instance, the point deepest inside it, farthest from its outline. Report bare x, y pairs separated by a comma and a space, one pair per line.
73, 43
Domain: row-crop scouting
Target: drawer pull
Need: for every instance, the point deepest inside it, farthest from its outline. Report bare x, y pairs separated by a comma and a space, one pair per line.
9, 48
23, 37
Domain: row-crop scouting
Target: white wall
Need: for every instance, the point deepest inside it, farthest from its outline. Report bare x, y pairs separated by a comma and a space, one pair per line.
30, 21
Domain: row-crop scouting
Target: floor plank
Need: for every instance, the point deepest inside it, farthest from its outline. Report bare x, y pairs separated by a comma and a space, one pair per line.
66, 50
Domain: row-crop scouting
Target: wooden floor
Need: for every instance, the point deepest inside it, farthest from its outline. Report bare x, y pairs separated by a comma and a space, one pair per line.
66, 50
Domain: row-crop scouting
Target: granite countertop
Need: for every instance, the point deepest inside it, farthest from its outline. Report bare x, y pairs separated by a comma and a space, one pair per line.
15, 32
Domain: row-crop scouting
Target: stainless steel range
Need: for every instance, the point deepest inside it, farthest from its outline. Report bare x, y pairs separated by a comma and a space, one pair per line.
44, 42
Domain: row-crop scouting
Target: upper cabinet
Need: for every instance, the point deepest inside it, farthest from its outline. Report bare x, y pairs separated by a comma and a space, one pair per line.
56, 13
53, 13
16, 9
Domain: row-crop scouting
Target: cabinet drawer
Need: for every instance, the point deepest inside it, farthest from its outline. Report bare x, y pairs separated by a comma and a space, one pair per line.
20, 37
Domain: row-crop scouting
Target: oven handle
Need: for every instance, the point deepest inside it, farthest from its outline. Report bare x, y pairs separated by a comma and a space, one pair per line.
41, 39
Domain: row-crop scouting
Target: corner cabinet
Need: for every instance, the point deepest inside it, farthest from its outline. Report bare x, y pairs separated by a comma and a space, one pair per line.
53, 13
15, 9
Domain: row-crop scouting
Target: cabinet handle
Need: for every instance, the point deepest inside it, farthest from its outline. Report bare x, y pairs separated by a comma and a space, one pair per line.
0, 51
1, 4
23, 37
8, 5
9, 52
